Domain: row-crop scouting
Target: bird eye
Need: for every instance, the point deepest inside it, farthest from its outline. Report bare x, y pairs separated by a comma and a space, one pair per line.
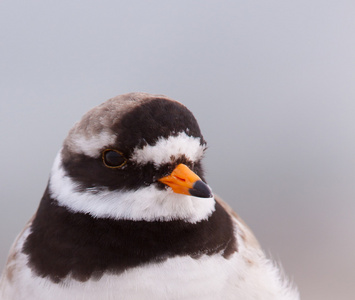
113, 158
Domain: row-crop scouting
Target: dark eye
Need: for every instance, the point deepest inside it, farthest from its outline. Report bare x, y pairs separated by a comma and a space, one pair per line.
113, 158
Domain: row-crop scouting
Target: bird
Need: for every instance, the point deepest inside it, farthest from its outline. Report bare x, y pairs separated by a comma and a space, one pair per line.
127, 214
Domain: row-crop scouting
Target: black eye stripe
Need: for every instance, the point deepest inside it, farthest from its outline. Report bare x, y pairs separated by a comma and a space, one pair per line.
113, 158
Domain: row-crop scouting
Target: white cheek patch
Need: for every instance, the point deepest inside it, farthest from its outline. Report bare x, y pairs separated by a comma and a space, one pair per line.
146, 203
165, 148
91, 145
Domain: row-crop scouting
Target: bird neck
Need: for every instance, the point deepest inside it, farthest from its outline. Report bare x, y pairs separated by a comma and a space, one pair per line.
63, 243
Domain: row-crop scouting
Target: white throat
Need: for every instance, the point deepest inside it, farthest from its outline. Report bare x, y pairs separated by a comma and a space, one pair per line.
147, 203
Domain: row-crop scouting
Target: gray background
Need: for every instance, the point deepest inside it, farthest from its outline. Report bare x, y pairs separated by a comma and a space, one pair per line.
270, 82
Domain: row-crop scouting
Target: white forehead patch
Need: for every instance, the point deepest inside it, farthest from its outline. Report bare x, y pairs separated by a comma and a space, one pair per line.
165, 148
147, 203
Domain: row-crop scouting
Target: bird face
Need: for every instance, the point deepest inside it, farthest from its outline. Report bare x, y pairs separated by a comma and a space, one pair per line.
136, 157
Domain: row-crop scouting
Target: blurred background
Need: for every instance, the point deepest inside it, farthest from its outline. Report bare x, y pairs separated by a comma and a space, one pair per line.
272, 84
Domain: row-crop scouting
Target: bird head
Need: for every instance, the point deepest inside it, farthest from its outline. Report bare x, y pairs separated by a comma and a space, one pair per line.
137, 157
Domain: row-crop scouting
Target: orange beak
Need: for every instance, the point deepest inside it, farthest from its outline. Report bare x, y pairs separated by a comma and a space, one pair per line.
183, 181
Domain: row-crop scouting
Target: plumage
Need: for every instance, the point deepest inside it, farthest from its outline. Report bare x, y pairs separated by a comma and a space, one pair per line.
127, 214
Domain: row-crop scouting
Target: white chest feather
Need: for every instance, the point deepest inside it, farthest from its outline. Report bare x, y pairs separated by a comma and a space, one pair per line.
177, 278
246, 275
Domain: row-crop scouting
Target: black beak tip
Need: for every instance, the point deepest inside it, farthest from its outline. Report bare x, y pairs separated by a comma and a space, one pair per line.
201, 190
